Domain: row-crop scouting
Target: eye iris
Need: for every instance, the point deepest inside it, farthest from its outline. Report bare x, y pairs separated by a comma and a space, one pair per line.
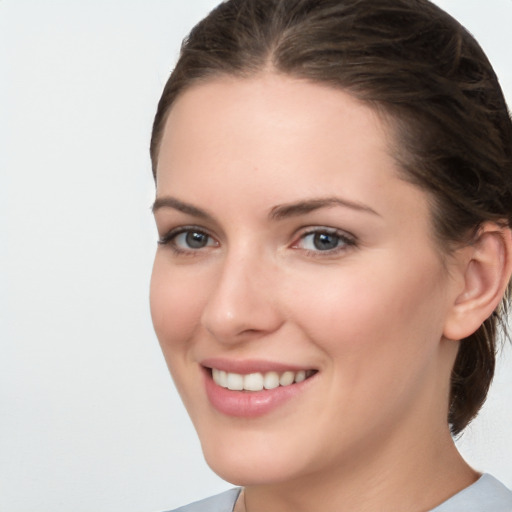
325, 241
196, 240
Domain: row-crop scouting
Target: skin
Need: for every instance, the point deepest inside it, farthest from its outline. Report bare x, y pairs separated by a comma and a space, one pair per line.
369, 431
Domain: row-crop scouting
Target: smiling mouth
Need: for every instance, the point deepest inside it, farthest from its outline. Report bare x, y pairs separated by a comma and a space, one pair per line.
259, 381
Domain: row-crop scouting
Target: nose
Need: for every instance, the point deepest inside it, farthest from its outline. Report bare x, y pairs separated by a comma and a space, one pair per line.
243, 303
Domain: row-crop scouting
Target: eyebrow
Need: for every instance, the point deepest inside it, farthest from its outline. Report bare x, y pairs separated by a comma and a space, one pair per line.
176, 204
276, 213
307, 206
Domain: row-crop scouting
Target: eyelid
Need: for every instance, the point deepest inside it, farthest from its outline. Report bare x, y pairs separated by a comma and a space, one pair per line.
168, 238
348, 240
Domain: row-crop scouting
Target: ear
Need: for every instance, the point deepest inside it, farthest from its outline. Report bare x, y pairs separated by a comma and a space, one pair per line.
485, 267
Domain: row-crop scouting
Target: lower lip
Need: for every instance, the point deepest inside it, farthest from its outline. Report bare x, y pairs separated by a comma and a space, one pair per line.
250, 404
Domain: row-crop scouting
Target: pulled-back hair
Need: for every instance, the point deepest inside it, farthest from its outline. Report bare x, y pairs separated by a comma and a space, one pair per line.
429, 79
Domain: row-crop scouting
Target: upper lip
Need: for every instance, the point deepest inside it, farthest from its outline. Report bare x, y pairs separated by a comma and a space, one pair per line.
246, 366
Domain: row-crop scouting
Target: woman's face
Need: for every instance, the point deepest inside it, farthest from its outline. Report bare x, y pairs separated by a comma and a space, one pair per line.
291, 250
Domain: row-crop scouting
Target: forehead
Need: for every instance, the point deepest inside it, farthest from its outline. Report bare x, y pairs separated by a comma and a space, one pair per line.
266, 120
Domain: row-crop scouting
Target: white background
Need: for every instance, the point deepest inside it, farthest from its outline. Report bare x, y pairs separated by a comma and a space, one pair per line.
89, 419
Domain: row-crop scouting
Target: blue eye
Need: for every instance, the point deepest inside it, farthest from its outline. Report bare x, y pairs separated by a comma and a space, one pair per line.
188, 239
192, 240
324, 240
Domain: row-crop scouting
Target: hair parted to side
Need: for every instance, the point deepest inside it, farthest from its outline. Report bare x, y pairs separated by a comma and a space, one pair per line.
427, 76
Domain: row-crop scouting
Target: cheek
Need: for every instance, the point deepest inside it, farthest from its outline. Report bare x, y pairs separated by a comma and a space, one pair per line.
381, 337
176, 304
375, 321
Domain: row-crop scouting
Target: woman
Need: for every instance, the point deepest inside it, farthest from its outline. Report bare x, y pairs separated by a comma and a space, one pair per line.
334, 202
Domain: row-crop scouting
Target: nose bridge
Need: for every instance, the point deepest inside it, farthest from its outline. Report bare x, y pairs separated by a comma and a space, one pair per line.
242, 301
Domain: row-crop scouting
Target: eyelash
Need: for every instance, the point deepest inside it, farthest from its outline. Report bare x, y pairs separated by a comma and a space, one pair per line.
345, 241
169, 239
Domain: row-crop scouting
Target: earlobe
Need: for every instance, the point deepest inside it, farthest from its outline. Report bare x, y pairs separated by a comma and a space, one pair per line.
486, 266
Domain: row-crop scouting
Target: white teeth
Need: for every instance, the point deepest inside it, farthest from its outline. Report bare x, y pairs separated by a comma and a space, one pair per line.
220, 377
300, 376
271, 380
253, 382
258, 381
235, 381
287, 378
223, 378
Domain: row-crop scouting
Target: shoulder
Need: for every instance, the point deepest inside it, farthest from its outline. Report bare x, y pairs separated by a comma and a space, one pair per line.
223, 502
486, 495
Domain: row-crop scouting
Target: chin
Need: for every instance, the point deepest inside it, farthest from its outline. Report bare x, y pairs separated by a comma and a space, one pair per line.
244, 467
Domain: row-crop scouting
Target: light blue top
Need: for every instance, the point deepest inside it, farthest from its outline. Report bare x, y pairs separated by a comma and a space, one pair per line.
223, 502
486, 495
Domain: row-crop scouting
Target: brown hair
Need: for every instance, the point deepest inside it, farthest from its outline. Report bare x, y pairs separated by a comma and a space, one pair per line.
430, 79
